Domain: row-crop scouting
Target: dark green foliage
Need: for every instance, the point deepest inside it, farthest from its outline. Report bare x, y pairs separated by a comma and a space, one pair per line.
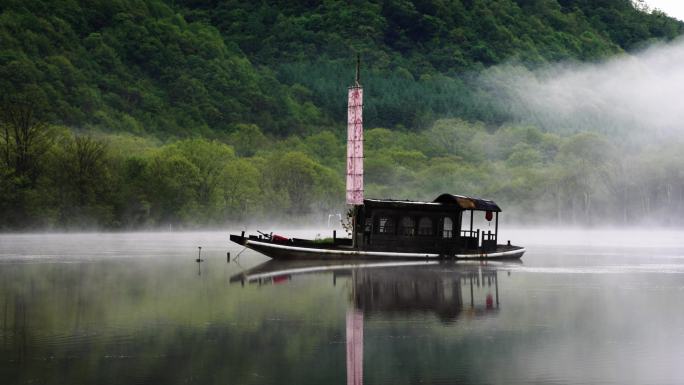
193, 67
118, 181
81, 181
139, 67
621, 21
107, 103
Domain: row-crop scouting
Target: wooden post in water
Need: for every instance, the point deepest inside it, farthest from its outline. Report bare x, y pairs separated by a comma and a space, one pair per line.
496, 228
496, 287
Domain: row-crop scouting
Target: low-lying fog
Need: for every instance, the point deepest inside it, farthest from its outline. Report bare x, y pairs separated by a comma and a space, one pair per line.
638, 95
93, 246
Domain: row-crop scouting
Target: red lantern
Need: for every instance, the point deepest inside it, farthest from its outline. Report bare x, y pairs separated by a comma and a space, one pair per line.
488, 215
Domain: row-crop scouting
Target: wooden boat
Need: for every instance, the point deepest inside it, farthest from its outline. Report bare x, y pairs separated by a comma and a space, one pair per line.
393, 229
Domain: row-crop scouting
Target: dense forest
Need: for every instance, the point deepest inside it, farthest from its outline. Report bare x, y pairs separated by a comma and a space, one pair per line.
137, 113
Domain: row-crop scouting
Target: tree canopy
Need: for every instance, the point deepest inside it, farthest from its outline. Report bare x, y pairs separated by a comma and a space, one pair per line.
132, 113
202, 67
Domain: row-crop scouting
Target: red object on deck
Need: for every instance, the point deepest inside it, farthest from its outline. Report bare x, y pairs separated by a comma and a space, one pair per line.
490, 301
280, 279
279, 239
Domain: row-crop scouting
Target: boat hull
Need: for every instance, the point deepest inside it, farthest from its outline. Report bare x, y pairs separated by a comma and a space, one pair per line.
290, 252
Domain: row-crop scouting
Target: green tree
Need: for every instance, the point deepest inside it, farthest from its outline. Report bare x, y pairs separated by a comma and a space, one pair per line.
82, 181
585, 157
209, 159
172, 185
241, 192
24, 135
247, 139
302, 181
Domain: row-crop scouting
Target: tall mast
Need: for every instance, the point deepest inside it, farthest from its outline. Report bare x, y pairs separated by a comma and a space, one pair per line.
355, 140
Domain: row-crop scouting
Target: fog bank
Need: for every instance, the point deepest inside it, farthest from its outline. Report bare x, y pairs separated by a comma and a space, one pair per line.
631, 94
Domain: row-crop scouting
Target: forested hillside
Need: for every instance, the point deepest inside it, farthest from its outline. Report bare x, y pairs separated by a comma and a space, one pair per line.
128, 113
192, 67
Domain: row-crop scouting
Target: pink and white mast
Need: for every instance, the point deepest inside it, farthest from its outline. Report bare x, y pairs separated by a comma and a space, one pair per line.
355, 197
355, 141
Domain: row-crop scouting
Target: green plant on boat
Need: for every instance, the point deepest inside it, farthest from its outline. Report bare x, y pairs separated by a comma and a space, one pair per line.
323, 241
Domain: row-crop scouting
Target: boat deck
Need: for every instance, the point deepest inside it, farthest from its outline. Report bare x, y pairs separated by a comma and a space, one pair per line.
341, 249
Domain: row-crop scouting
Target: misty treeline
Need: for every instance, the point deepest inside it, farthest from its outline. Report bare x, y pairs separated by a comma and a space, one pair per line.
136, 113
51, 177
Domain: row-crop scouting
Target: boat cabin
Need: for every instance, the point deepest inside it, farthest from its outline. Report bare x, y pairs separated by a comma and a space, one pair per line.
430, 227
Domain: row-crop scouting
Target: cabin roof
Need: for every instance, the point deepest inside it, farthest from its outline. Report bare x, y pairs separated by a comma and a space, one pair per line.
461, 201
468, 203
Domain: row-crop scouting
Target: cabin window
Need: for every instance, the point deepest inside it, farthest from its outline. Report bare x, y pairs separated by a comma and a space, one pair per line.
407, 226
385, 225
368, 225
448, 230
425, 226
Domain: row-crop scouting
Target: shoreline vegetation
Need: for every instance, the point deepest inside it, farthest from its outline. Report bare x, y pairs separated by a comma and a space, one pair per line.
121, 181
131, 114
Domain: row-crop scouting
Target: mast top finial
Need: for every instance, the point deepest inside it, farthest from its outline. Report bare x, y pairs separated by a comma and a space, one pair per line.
358, 69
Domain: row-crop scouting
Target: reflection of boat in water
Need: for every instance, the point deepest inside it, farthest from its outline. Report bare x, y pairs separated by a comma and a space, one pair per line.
428, 289
393, 229
448, 290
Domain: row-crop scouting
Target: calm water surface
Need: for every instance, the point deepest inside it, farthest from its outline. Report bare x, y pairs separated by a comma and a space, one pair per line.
602, 307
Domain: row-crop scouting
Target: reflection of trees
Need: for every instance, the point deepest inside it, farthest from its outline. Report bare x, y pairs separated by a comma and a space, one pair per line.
19, 331
142, 322
126, 321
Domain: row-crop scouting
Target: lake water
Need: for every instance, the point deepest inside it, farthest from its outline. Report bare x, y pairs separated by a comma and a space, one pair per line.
583, 307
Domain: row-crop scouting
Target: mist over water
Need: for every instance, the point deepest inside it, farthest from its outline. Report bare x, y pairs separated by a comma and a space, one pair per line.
583, 307
637, 94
